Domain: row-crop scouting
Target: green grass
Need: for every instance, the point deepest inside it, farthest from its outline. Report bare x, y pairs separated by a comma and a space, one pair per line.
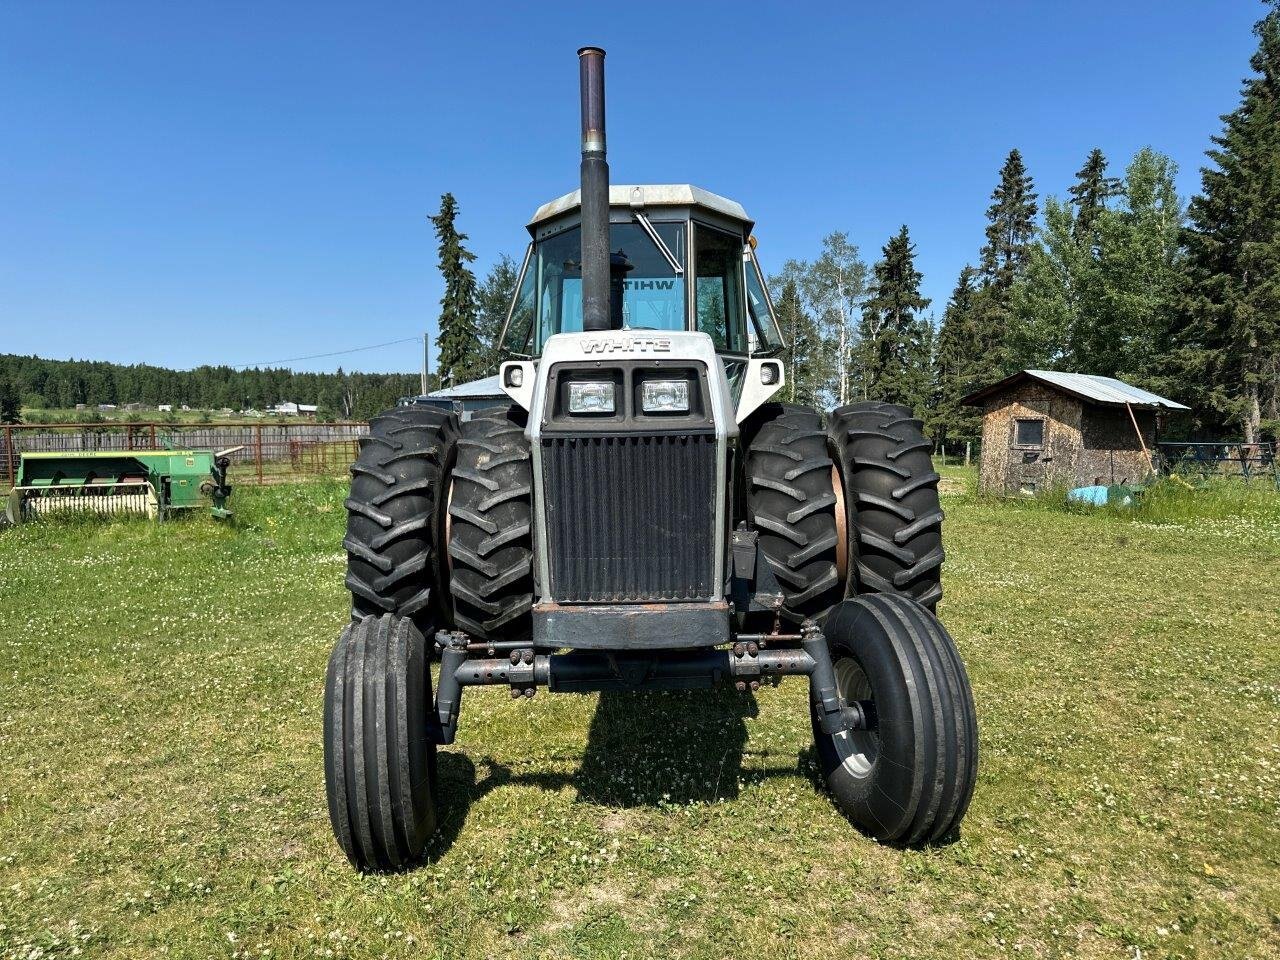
161, 789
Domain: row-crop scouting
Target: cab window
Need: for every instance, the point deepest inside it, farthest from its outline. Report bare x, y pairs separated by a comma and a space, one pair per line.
763, 322
549, 300
718, 287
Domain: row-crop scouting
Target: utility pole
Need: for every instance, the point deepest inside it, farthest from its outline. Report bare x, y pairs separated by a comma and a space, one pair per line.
426, 359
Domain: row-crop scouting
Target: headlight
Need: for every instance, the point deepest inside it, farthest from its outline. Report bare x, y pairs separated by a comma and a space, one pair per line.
590, 397
665, 396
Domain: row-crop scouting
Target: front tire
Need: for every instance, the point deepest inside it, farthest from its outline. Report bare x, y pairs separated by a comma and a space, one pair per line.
908, 780
379, 763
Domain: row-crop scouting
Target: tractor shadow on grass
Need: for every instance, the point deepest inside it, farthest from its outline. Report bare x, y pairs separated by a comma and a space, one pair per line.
678, 747
643, 750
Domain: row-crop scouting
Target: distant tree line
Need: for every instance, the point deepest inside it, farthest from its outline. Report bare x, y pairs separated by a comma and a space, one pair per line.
1118, 279
471, 318
36, 383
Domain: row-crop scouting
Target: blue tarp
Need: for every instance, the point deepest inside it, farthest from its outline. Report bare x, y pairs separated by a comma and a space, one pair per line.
1101, 496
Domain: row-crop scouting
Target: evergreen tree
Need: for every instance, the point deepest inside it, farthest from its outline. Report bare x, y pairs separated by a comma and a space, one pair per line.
1232, 345
1090, 193
460, 352
1003, 262
493, 301
1011, 224
807, 366
1052, 302
10, 406
958, 366
894, 342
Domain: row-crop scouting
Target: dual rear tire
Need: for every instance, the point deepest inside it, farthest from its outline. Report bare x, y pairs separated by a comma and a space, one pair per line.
438, 535
848, 510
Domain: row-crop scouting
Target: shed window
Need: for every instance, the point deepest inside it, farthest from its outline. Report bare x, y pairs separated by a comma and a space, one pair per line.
1029, 433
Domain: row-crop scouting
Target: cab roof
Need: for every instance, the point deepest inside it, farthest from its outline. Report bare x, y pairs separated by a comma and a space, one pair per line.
647, 195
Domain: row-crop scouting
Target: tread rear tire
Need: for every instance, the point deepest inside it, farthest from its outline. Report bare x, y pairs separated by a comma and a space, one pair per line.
891, 494
791, 503
379, 763
394, 515
491, 521
911, 781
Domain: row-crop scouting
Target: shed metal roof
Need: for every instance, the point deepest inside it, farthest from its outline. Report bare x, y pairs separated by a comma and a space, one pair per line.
1087, 386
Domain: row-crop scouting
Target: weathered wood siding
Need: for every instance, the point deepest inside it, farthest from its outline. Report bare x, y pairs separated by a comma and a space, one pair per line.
1004, 464
1112, 453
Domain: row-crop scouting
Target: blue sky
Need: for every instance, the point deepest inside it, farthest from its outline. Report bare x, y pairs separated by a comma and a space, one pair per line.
186, 183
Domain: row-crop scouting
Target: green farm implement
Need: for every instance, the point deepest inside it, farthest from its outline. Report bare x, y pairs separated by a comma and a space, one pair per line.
109, 482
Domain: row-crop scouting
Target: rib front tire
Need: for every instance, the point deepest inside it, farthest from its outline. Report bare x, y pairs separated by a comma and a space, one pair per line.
908, 780
379, 762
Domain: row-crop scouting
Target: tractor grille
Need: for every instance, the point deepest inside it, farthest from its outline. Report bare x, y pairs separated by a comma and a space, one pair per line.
629, 518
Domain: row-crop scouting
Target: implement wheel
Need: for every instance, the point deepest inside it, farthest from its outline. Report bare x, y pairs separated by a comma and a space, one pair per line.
894, 516
379, 763
395, 515
908, 778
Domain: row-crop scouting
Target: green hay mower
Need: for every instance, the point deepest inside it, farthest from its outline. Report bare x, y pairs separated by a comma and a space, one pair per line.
111, 482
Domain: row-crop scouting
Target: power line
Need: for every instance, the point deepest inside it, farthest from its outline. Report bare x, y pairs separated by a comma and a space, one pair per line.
318, 356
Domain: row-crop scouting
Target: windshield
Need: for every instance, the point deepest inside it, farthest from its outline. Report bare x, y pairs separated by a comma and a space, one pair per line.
549, 300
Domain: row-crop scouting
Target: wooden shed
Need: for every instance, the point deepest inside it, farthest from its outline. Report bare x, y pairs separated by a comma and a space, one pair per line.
1043, 428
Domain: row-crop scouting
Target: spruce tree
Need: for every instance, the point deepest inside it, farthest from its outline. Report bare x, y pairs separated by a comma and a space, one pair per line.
958, 364
1011, 224
1232, 345
10, 405
460, 354
1002, 263
805, 363
1090, 193
493, 302
895, 342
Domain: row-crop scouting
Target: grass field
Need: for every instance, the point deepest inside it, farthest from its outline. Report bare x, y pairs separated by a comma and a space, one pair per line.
161, 789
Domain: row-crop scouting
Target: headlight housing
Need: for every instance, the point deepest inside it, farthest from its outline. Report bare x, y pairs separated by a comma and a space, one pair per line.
665, 396
591, 396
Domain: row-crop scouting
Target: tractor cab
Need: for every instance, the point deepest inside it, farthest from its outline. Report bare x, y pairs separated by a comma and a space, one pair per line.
680, 259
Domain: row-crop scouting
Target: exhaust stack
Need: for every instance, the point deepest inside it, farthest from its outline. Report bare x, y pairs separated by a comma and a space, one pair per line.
596, 313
